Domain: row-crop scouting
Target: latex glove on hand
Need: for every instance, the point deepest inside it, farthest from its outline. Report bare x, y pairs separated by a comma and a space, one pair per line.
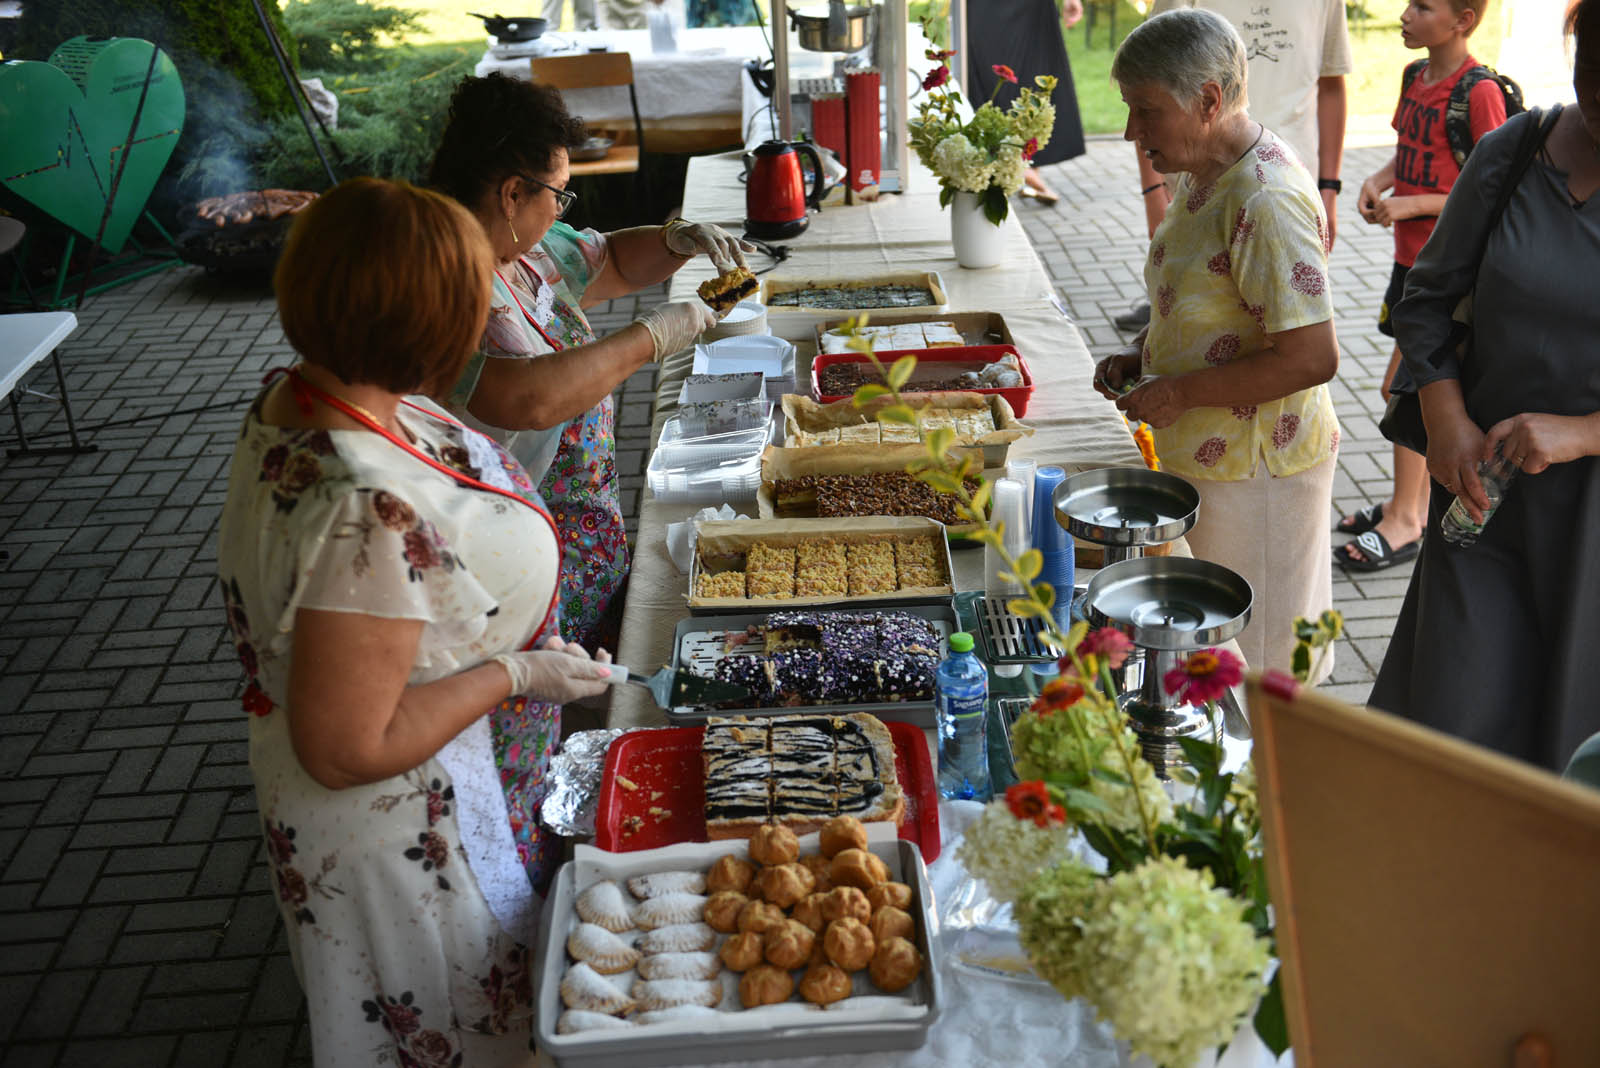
557, 672
690, 239
673, 327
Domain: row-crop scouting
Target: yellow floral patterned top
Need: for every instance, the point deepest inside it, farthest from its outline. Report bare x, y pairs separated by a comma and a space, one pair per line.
1231, 263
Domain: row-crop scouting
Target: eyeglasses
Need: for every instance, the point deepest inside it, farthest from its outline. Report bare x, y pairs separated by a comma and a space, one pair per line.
564, 197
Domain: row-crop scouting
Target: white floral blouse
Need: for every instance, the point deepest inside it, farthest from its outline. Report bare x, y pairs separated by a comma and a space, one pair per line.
408, 914
1231, 263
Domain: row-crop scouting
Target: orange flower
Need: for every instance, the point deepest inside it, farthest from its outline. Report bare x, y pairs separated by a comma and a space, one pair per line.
1006, 72
1058, 694
1031, 801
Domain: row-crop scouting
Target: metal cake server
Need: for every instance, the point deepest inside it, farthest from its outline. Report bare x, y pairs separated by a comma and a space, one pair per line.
673, 688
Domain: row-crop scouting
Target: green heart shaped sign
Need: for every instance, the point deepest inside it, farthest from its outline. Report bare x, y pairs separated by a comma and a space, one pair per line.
64, 125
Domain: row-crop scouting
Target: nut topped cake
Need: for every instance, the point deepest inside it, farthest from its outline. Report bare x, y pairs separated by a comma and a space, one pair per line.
798, 770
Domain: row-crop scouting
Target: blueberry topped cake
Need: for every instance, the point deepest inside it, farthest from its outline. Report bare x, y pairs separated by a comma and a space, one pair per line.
800, 770
834, 658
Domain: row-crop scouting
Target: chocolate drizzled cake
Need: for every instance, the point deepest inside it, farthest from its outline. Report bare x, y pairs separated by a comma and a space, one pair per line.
836, 658
798, 770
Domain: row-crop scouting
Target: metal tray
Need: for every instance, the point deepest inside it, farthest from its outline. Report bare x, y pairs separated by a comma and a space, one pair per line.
807, 1035
697, 644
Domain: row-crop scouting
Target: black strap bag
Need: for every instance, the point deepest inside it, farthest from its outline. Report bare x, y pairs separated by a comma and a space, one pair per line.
1402, 416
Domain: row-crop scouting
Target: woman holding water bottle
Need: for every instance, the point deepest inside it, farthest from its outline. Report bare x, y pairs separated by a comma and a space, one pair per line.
1495, 641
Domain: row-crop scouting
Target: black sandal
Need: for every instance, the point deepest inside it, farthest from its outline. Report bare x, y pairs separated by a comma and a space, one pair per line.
1376, 553
1360, 521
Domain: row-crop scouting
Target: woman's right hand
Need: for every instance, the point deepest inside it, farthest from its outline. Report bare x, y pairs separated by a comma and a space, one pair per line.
673, 327
1113, 372
1454, 450
557, 671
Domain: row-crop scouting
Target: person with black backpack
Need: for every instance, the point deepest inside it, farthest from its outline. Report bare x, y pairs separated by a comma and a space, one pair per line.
1447, 102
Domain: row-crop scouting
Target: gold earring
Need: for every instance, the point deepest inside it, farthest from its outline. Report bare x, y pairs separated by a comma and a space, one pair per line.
514, 239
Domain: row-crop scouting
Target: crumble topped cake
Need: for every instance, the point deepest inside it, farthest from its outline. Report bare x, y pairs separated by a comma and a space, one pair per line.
800, 771
724, 291
834, 658
825, 567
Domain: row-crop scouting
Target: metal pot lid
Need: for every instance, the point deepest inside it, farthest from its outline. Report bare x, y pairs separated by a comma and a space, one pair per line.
1126, 506
1170, 602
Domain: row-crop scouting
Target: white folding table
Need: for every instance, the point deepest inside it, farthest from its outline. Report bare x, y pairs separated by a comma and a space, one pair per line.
26, 338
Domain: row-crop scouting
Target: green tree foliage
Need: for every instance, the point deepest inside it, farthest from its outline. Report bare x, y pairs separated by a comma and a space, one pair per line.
345, 35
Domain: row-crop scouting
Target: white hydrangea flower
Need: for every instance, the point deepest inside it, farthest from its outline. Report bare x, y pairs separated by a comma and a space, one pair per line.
962, 164
1168, 960
1006, 852
1009, 168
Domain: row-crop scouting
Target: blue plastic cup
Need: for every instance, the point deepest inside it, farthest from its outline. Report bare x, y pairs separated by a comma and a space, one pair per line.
1058, 572
1049, 536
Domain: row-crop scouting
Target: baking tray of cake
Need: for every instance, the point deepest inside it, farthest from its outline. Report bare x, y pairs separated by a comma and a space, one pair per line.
872, 294
974, 328
933, 365
897, 655
793, 563
985, 424
652, 792
782, 465
867, 1021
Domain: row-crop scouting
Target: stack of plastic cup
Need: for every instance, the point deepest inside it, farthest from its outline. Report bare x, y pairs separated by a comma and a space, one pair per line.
1009, 507
1024, 470
1053, 542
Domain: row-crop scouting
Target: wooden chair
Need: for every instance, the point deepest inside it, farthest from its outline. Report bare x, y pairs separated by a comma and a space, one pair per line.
596, 70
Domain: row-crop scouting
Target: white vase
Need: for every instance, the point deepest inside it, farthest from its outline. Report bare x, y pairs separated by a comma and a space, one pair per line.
978, 242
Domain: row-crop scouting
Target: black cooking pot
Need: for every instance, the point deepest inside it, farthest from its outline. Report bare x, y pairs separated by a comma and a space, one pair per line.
512, 29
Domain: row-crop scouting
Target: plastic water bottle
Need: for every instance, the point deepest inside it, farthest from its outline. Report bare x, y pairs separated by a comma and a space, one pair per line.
963, 705
1457, 525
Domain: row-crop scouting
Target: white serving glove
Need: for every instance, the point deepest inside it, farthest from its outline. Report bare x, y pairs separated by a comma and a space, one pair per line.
686, 238
674, 326
557, 671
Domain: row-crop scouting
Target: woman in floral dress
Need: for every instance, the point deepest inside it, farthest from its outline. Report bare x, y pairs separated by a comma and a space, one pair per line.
1233, 366
542, 383
382, 566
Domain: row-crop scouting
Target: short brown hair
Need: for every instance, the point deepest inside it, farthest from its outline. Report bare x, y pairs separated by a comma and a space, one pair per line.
385, 284
1583, 26
1477, 7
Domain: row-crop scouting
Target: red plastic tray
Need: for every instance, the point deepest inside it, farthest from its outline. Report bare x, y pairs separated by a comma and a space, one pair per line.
977, 355
666, 768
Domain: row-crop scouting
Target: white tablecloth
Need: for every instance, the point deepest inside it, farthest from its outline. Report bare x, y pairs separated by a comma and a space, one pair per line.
702, 78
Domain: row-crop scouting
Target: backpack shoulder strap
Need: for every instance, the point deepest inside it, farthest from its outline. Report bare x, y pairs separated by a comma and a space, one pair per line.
1412, 71
1458, 116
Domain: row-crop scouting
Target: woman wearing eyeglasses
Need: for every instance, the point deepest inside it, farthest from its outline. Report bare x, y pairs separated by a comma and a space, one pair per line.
541, 383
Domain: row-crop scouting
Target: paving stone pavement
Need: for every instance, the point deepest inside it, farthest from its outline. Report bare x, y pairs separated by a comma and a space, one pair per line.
137, 926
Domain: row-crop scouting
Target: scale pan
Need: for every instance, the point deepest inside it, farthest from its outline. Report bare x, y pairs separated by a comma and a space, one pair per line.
1126, 506
1170, 602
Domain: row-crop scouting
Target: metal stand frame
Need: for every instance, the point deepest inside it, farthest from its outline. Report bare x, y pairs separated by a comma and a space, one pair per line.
24, 449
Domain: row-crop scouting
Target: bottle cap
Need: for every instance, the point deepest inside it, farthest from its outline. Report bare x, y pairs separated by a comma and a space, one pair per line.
960, 642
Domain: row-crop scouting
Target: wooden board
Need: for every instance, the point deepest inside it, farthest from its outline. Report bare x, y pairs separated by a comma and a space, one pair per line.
1435, 901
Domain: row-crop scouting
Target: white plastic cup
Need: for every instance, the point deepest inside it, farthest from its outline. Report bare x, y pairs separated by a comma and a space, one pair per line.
1023, 470
1009, 507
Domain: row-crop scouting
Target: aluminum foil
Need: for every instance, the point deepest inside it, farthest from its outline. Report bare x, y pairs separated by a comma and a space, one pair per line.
569, 807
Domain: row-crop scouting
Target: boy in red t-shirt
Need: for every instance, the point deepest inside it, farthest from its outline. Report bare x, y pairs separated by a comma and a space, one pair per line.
1420, 175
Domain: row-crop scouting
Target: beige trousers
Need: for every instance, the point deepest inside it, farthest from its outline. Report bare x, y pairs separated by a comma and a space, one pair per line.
1275, 532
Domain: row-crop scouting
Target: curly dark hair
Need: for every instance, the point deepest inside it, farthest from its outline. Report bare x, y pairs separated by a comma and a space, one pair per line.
500, 126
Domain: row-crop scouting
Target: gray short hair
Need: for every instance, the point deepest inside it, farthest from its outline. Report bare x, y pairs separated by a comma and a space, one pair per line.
1181, 51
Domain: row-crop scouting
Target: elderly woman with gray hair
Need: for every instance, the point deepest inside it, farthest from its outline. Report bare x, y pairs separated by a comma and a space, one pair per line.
1231, 371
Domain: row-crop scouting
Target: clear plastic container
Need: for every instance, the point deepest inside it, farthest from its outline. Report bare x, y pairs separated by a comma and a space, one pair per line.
708, 469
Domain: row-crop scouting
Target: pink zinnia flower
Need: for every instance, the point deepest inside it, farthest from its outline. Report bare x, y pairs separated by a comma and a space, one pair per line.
1106, 642
936, 77
1204, 676
1006, 72
1030, 149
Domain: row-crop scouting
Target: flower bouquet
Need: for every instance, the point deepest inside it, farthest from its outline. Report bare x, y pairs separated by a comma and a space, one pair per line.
987, 154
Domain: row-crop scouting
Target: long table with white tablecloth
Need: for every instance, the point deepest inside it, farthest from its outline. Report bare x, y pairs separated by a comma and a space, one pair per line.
908, 232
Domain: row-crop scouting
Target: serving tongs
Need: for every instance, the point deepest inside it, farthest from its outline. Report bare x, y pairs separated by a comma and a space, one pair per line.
673, 688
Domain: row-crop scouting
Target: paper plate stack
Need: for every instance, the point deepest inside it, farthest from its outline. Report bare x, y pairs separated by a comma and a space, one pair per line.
747, 317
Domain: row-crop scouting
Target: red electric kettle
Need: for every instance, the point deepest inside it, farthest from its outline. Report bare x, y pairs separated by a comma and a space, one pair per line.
775, 193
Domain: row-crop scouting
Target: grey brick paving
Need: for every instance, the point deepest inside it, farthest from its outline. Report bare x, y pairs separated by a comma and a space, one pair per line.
136, 922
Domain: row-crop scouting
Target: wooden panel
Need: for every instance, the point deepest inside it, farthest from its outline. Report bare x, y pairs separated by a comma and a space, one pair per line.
622, 159
1435, 901
588, 71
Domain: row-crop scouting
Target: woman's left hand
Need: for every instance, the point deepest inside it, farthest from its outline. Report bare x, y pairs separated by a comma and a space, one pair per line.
689, 239
1534, 440
1071, 12
1159, 402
